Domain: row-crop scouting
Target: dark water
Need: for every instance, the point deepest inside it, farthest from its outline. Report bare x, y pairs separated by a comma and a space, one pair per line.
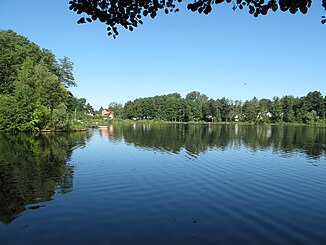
172, 184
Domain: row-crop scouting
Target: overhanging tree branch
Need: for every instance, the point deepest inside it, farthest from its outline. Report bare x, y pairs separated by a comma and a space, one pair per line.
129, 13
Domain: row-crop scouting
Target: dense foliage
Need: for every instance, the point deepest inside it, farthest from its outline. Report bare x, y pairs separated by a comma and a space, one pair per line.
195, 106
129, 14
34, 86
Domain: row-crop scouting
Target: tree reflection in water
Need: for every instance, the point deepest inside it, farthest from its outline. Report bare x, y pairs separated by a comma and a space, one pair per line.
33, 168
196, 139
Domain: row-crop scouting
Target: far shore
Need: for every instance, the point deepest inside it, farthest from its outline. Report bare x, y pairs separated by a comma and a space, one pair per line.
93, 125
128, 121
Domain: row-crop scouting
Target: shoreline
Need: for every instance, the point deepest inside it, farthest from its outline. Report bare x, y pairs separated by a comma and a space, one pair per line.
214, 123
126, 122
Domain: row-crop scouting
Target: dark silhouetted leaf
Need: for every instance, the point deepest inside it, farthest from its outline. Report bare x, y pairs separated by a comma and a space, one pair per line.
153, 14
124, 13
208, 9
81, 20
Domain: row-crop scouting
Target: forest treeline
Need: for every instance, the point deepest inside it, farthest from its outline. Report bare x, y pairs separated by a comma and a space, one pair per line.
34, 87
309, 109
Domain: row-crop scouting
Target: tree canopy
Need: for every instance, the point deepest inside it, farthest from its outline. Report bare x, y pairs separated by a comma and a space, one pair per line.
309, 109
15, 49
129, 13
34, 86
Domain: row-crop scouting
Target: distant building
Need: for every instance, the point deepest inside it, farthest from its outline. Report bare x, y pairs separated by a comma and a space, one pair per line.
269, 114
107, 113
90, 112
264, 114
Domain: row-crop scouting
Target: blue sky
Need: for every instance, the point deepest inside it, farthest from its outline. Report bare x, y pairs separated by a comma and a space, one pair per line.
226, 53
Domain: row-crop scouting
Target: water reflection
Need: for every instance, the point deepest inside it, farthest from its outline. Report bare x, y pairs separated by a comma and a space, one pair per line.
196, 139
122, 195
33, 168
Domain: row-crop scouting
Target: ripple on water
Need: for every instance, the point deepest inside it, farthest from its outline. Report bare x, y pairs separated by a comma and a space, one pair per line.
124, 193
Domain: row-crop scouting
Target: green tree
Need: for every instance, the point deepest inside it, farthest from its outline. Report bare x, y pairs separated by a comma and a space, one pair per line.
8, 112
193, 106
117, 109
50, 91
238, 110
264, 110
128, 111
14, 50
249, 111
277, 110
36, 89
314, 101
65, 72
213, 110
288, 112
60, 118
225, 109
35, 82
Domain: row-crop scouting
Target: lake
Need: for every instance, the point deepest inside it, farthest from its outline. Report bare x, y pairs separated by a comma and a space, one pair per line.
165, 184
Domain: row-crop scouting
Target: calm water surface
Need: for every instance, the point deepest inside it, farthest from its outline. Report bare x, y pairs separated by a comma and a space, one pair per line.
165, 184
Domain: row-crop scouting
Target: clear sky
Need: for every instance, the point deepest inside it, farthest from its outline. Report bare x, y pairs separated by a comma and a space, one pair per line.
226, 53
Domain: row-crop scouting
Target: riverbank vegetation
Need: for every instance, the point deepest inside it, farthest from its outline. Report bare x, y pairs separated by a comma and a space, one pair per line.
34, 88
